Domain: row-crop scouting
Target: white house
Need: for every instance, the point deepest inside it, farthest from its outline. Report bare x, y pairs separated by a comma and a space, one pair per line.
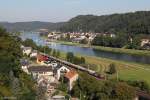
34, 53
145, 41
58, 97
54, 65
60, 70
27, 50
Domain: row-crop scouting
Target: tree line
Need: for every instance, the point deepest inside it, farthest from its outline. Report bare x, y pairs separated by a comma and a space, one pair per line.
136, 23
13, 81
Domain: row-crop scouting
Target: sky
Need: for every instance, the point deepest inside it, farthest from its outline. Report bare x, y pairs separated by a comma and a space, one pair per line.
63, 10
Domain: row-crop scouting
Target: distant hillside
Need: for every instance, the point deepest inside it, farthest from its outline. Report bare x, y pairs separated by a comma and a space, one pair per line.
137, 22
30, 26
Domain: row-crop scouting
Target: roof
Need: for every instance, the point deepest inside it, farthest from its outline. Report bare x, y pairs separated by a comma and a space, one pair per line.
71, 74
59, 66
34, 51
59, 97
39, 69
24, 62
143, 94
42, 57
27, 48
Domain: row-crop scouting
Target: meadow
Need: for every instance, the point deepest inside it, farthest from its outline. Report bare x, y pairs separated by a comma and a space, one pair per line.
125, 70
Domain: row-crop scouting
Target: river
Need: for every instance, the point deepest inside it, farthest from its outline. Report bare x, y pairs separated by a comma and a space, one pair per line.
85, 51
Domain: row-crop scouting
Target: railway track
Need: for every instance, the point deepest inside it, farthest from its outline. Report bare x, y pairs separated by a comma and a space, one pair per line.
83, 69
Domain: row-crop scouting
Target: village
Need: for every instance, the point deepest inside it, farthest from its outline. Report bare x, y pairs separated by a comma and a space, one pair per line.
48, 73
75, 37
87, 37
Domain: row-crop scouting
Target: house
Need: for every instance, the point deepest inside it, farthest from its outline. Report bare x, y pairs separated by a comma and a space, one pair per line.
58, 97
24, 65
27, 50
145, 41
142, 95
74, 98
41, 59
60, 70
53, 64
38, 71
34, 53
71, 77
49, 79
21, 46
51, 88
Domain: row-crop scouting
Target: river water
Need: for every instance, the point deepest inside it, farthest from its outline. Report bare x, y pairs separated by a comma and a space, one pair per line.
85, 51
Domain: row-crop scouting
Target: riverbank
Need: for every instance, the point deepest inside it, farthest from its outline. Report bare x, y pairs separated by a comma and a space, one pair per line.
125, 70
109, 49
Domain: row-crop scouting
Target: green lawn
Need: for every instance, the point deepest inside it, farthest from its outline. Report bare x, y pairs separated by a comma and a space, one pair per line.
126, 70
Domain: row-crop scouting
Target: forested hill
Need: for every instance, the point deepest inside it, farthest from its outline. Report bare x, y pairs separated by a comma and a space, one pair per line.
137, 22
30, 26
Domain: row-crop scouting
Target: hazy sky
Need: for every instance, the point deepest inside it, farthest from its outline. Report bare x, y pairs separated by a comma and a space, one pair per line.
63, 10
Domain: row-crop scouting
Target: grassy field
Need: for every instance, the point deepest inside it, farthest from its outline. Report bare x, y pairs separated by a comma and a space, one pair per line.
126, 70
109, 49
68, 43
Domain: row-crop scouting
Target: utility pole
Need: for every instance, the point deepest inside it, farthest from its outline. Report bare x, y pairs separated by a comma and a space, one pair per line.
117, 75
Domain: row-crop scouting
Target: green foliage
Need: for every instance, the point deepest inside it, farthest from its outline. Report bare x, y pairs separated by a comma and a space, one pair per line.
57, 53
9, 52
16, 89
142, 85
74, 59
112, 69
70, 56
87, 88
84, 41
10, 72
29, 43
41, 92
54, 53
31, 26
136, 23
63, 87
124, 91
136, 42
119, 41
82, 60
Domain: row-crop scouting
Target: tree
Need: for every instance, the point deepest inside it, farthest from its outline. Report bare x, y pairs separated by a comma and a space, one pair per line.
124, 91
30, 43
142, 85
84, 41
10, 72
54, 53
76, 60
112, 69
92, 89
136, 23
82, 60
16, 89
46, 49
41, 92
57, 53
68, 37
70, 56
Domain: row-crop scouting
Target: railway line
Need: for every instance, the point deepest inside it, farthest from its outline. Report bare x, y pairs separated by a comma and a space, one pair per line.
77, 67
